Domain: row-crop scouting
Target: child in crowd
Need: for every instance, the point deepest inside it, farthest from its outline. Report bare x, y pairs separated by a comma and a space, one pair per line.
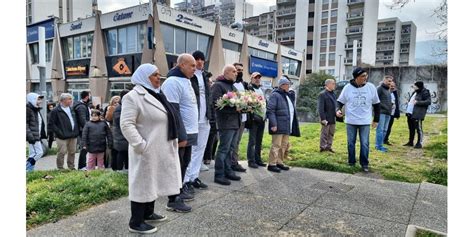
95, 137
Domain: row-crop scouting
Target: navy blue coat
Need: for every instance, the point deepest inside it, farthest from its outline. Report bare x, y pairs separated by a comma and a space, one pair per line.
278, 114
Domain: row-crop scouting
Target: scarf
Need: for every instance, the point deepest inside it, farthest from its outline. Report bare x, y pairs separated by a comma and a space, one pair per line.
172, 119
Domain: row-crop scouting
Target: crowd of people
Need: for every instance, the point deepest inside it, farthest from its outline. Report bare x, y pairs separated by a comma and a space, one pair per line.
164, 134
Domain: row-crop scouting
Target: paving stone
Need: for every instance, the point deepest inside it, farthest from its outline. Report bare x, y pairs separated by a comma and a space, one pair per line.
431, 209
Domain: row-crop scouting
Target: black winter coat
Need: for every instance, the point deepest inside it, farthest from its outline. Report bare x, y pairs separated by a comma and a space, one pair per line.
33, 134
210, 112
61, 125
120, 143
278, 114
385, 97
227, 118
82, 114
423, 100
327, 104
96, 135
397, 105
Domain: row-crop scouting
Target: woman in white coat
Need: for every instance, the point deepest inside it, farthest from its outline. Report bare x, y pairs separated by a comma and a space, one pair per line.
149, 124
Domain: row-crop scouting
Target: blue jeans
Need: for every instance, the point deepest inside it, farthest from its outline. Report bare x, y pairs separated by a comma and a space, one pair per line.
381, 131
35, 153
227, 144
364, 132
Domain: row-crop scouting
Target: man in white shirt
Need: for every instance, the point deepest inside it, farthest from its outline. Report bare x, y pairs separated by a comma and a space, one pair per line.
241, 86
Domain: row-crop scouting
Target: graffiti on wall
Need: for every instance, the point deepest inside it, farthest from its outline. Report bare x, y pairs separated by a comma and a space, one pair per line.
406, 90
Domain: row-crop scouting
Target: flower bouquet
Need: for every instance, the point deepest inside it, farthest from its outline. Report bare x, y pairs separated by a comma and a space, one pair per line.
245, 102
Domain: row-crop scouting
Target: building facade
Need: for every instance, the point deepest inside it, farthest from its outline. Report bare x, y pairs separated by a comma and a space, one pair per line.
65, 10
229, 11
395, 42
125, 33
262, 26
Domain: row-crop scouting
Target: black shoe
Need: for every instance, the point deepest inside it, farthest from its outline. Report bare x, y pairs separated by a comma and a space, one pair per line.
253, 165
418, 146
351, 165
273, 168
260, 163
178, 206
155, 218
221, 180
233, 177
143, 228
238, 168
365, 169
186, 196
199, 184
331, 150
283, 167
408, 144
188, 187
387, 143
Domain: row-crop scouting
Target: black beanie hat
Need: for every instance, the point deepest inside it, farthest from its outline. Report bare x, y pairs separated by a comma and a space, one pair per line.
199, 55
357, 72
419, 84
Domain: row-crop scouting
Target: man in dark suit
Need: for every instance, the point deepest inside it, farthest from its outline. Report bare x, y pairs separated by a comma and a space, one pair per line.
327, 105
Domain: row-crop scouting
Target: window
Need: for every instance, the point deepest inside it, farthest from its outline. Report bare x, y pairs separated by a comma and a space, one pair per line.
309, 56
122, 40
332, 42
77, 47
203, 43
331, 71
334, 13
309, 42
191, 42
332, 56
132, 44
311, 15
310, 28
324, 29
290, 66
142, 35
333, 28
49, 50
180, 45
129, 39
112, 42
34, 53
322, 57
231, 46
325, 2
167, 32
324, 43
325, 15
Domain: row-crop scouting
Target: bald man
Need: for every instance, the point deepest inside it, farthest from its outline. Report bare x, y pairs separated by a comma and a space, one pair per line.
228, 124
178, 90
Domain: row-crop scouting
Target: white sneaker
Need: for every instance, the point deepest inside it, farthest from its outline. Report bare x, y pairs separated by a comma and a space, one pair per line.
204, 167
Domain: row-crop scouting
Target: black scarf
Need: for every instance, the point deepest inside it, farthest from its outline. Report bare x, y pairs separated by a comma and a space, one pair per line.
172, 120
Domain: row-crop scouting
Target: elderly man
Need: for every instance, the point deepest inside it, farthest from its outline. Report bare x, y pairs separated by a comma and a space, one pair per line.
283, 122
385, 97
228, 124
66, 129
35, 130
200, 84
256, 125
178, 90
359, 96
327, 105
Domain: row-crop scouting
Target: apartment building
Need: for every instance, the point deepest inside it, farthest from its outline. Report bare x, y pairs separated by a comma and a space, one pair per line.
229, 11
65, 10
395, 42
407, 43
262, 26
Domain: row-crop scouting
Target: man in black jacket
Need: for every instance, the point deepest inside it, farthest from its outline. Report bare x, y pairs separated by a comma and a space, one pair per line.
35, 130
385, 97
66, 129
82, 110
256, 125
395, 112
327, 105
241, 86
228, 123
416, 112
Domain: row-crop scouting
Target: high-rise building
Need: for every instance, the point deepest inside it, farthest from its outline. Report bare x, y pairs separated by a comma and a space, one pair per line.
65, 10
408, 43
262, 26
230, 11
286, 22
394, 42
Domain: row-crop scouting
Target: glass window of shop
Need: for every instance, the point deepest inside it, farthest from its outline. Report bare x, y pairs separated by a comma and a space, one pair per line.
174, 43
76, 88
79, 46
117, 87
34, 51
49, 50
126, 40
262, 54
290, 66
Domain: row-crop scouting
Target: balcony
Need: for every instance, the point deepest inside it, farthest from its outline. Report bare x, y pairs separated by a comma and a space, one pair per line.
348, 61
385, 39
281, 2
283, 39
404, 60
355, 16
385, 48
286, 12
285, 25
354, 30
404, 50
351, 46
354, 2
384, 58
386, 29
405, 41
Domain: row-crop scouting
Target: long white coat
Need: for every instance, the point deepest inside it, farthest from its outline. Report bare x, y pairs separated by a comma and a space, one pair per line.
154, 168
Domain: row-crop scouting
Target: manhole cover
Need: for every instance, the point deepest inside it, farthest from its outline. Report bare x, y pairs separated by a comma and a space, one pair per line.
332, 187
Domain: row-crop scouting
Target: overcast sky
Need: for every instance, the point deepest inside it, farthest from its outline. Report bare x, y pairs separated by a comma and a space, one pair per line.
418, 11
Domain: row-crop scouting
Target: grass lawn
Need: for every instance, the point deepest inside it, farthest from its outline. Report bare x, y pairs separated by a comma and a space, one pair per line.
51, 195
400, 163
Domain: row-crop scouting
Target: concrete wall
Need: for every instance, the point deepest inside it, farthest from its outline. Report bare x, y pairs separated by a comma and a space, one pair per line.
434, 77
369, 37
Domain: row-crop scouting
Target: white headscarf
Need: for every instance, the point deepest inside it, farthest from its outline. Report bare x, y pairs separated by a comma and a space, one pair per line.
32, 98
140, 76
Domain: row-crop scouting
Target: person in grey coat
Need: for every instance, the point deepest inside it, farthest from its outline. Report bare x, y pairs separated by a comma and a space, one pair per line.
120, 143
416, 112
283, 122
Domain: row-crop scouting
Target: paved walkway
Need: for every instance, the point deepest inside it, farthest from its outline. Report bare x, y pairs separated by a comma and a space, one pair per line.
297, 202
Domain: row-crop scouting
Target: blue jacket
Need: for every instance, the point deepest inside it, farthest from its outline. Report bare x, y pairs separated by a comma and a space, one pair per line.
278, 114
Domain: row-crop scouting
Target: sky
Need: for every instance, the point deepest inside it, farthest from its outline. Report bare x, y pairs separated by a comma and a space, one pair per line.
418, 11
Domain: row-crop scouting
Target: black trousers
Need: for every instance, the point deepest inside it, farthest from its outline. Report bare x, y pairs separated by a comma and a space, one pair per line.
184, 159
254, 147
415, 125
211, 146
122, 160
50, 139
112, 159
140, 211
389, 130
82, 159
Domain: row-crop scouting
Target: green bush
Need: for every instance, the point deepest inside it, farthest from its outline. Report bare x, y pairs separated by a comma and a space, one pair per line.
51, 195
438, 174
